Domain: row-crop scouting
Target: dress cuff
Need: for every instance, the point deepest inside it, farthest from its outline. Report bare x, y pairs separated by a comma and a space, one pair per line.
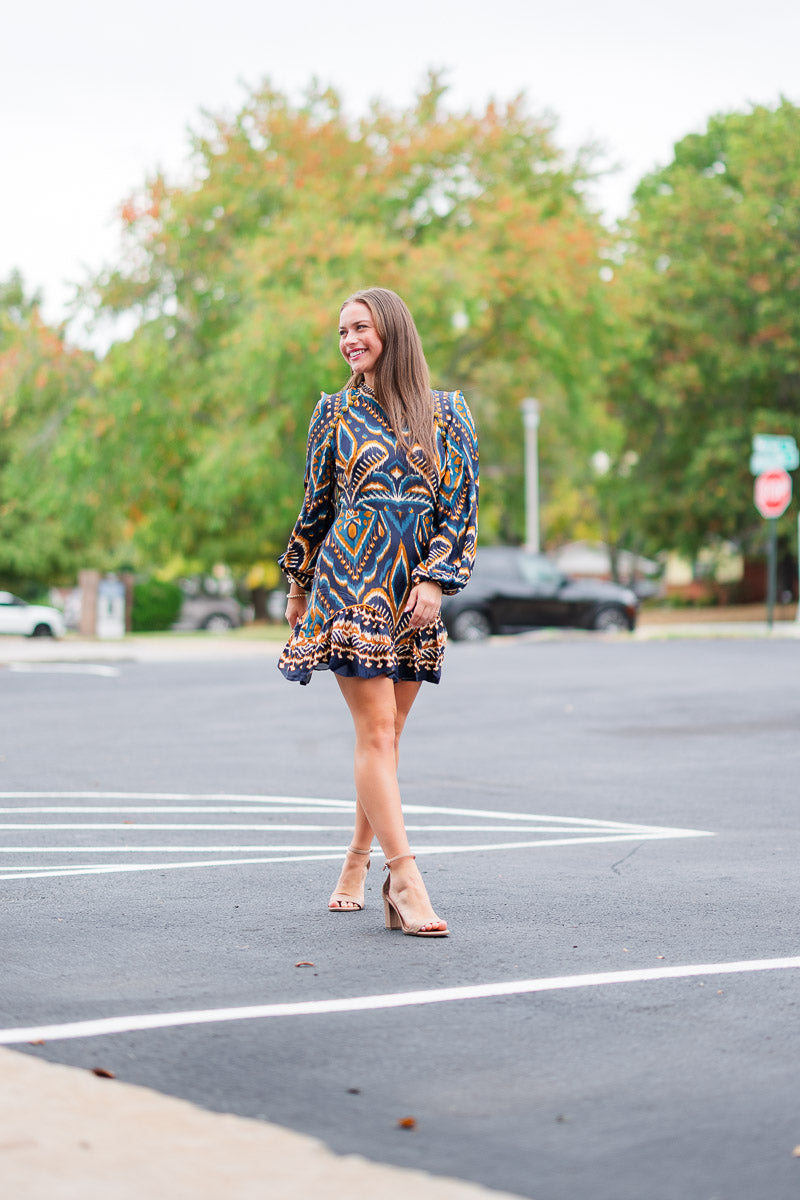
449, 582
303, 579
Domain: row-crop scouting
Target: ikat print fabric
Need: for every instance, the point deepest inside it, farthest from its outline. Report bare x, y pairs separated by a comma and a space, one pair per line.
374, 523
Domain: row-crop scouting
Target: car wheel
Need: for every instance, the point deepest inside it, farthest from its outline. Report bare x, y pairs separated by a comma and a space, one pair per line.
218, 622
42, 630
610, 619
471, 625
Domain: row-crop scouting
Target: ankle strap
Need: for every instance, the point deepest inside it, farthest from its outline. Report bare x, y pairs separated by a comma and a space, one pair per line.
355, 850
396, 858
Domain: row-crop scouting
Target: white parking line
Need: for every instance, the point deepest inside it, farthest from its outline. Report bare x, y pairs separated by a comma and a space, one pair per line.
303, 849
27, 668
177, 796
139, 809
323, 854
169, 1020
301, 803
319, 841
125, 868
147, 826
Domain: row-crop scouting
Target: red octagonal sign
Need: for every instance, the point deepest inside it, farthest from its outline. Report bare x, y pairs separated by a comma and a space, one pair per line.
773, 492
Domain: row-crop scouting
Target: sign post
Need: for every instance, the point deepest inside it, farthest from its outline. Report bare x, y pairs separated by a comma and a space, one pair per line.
772, 493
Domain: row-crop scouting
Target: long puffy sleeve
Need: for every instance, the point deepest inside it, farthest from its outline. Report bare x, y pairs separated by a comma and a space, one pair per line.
451, 552
319, 503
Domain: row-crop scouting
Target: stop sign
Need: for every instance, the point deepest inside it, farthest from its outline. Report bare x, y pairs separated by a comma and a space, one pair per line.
772, 492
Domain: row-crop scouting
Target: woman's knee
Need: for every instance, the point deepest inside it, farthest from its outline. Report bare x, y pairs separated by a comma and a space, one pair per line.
377, 734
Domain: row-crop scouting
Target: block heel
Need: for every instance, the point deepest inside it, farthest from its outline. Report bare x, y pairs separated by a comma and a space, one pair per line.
392, 916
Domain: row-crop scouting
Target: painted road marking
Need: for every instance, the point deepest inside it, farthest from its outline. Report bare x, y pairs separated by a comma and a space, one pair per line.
482, 830
335, 855
28, 668
302, 849
284, 828
130, 1024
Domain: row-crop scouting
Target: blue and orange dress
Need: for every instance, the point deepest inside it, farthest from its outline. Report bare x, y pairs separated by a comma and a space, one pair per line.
375, 522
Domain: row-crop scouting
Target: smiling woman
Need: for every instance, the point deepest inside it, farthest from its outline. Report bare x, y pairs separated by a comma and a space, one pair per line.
388, 524
358, 338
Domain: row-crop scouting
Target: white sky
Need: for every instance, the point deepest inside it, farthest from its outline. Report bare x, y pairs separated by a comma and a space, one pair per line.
94, 95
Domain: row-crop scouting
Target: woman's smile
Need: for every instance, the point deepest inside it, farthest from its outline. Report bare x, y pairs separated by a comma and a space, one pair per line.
359, 341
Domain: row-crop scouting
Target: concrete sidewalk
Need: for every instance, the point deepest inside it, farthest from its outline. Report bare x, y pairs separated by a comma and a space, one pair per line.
69, 1135
136, 648
652, 630
715, 621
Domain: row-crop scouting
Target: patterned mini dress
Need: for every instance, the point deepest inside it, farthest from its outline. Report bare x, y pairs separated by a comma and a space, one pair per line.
374, 523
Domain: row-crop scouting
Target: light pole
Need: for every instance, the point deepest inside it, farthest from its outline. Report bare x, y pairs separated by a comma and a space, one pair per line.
530, 419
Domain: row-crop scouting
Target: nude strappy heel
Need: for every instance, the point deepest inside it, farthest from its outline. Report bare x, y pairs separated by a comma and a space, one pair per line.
355, 904
392, 915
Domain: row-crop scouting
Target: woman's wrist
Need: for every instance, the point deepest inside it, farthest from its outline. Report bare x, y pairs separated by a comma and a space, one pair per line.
297, 595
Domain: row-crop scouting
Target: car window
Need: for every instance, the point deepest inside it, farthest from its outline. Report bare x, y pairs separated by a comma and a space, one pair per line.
7, 598
495, 566
539, 571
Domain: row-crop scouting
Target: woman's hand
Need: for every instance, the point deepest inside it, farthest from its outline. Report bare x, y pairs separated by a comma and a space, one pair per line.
296, 607
424, 602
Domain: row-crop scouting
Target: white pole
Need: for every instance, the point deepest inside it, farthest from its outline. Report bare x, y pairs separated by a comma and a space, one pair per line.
530, 419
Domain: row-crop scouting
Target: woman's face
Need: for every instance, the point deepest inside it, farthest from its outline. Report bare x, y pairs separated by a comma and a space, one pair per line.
358, 338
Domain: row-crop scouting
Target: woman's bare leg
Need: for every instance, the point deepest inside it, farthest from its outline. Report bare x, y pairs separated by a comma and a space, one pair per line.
405, 693
351, 878
379, 709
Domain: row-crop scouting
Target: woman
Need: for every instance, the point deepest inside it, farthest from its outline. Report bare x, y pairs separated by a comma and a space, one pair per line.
388, 524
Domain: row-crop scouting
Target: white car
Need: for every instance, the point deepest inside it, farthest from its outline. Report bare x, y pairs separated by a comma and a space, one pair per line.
29, 620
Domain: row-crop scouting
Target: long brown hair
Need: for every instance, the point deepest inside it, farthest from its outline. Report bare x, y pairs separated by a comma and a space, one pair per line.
402, 378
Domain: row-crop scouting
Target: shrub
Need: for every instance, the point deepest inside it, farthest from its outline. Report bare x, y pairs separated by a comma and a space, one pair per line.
155, 605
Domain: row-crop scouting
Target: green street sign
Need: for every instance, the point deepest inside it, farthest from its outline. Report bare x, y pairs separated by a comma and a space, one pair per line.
774, 451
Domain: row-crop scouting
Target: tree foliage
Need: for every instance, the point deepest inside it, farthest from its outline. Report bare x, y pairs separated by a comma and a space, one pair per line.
711, 282
42, 381
237, 277
656, 353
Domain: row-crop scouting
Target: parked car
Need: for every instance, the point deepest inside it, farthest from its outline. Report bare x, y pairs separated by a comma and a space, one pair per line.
512, 589
214, 610
30, 620
592, 560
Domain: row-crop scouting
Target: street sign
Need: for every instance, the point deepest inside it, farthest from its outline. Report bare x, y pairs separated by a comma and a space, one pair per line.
774, 451
772, 493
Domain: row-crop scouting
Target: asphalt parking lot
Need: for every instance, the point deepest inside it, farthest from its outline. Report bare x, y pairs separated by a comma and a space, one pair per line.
609, 826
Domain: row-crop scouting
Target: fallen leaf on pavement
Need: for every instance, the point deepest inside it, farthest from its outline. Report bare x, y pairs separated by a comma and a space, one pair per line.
103, 1073
305, 964
407, 1123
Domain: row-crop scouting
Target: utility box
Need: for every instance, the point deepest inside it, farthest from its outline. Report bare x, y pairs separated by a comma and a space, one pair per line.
110, 609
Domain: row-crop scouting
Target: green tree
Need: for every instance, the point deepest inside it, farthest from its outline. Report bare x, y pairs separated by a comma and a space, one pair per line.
42, 382
711, 281
478, 220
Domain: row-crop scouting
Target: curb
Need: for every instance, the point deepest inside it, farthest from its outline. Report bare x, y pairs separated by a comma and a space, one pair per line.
69, 1135
15, 650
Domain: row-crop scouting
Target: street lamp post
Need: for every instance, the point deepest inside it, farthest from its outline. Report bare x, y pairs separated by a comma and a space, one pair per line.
530, 418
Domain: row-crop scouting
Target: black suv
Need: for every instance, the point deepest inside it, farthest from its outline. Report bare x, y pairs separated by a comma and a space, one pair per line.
512, 589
